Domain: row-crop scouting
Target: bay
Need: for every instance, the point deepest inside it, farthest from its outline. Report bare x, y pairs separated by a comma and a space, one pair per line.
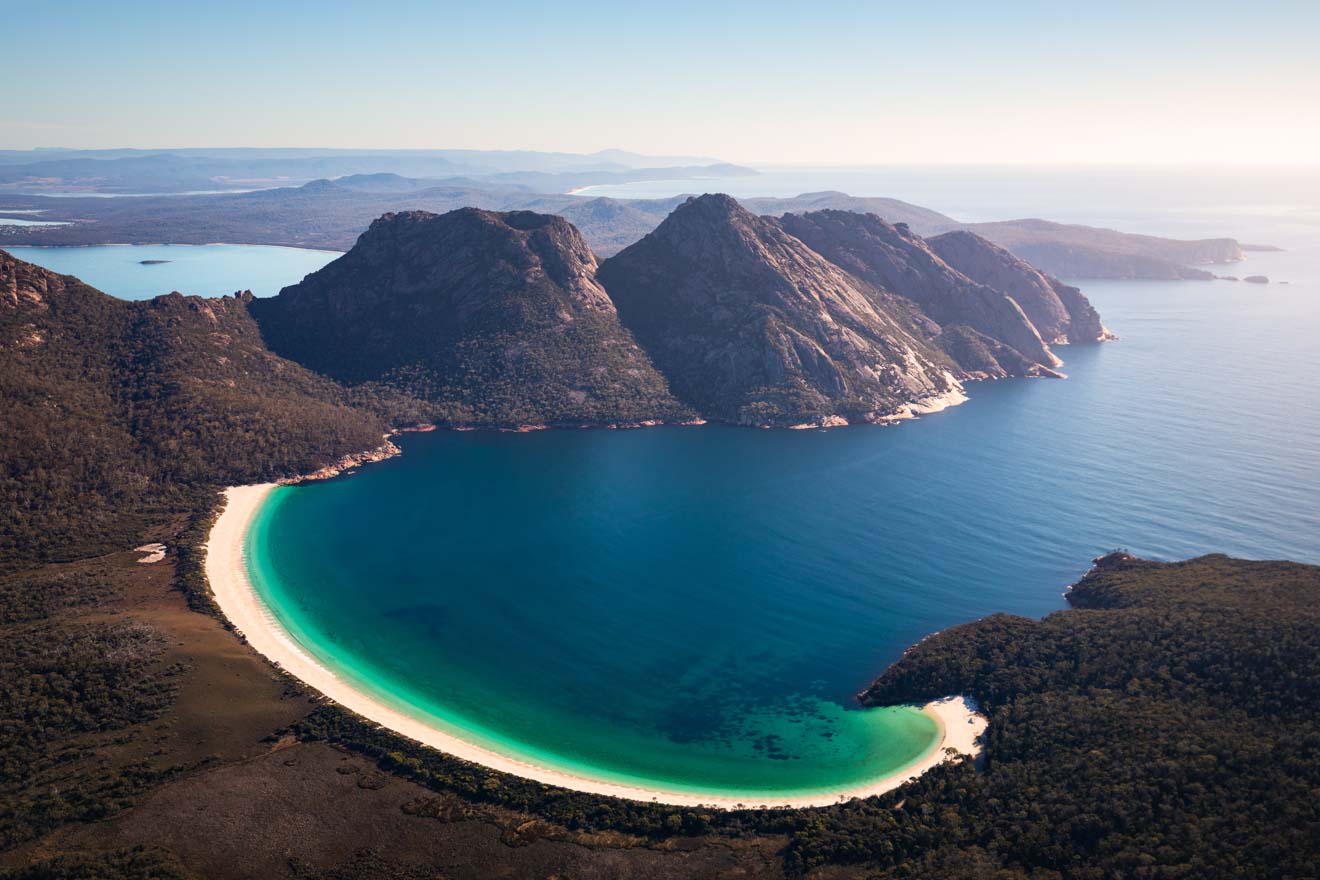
204, 270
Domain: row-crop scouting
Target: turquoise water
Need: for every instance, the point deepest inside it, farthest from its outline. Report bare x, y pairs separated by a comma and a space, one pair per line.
696, 607
205, 270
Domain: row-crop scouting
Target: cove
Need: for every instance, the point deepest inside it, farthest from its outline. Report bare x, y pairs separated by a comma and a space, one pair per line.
694, 608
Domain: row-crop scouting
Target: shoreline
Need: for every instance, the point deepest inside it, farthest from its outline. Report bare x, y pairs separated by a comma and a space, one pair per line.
282, 247
226, 571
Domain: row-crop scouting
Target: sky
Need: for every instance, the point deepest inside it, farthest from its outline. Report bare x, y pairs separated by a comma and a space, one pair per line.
1179, 83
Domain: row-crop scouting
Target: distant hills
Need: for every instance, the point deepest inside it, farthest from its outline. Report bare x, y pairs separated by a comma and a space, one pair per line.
178, 171
505, 319
1090, 252
330, 214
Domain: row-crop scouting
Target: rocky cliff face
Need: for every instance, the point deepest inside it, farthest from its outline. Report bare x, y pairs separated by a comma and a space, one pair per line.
896, 260
1061, 314
496, 319
752, 326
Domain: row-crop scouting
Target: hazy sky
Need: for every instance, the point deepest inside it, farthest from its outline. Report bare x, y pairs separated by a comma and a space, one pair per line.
819, 82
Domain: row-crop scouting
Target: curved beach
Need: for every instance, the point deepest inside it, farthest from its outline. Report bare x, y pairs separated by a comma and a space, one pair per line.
226, 569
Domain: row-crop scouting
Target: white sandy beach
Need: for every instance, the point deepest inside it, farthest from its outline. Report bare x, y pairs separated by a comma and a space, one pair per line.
960, 725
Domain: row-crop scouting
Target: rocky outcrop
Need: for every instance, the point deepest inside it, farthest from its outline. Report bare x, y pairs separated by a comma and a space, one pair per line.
754, 327
387, 449
896, 260
1084, 324
1061, 314
496, 319
25, 286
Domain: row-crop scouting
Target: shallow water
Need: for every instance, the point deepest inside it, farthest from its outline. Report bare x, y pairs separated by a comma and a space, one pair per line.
695, 607
205, 270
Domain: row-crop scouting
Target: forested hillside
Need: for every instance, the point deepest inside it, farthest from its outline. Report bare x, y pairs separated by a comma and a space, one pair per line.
115, 411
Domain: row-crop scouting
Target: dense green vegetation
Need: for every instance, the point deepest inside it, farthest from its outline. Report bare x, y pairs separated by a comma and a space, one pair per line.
62, 687
119, 412
135, 863
119, 416
1164, 728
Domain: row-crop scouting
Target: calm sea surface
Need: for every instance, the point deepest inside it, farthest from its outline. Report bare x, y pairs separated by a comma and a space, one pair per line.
695, 607
205, 270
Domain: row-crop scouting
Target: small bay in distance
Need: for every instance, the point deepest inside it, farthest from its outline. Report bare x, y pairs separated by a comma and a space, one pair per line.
141, 271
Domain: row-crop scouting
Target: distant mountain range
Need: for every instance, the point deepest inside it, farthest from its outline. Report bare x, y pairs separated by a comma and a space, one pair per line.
506, 319
331, 214
178, 171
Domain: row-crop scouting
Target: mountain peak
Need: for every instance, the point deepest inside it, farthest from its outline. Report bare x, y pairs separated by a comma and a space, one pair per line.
712, 202
754, 327
495, 318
